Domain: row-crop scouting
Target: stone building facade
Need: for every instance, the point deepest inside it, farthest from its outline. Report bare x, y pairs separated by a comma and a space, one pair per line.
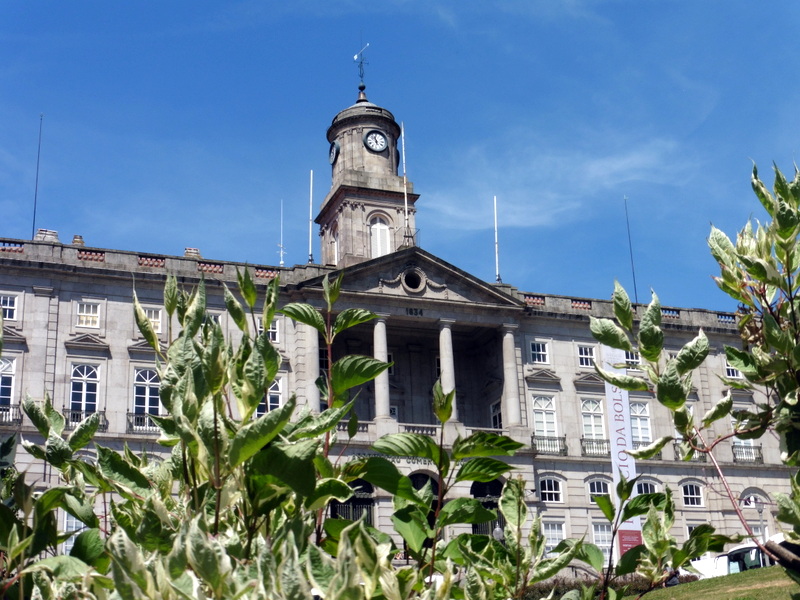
520, 362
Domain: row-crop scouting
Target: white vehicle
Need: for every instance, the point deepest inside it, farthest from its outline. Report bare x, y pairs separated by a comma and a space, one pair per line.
742, 557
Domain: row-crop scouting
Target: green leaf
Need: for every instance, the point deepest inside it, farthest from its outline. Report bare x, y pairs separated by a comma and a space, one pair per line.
350, 318
304, 313
84, 432
384, 474
512, 503
257, 434
36, 416
719, 410
57, 450
145, 325
591, 555
122, 473
640, 505
330, 291
692, 354
722, 249
208, 558
409, 444
776, 336
629, 561
442, 402
271, 300
89, 546
609, 333
482, 469
622, 306
464, 510
650, 450
670, 390
651, 338
411, 522
80, 508
741, 360
246, 287
196, 311
606, 506
484, 443
327, 490
292, 464
762, 193
171, 295
353, 370
318, 424
622, 381
235, 310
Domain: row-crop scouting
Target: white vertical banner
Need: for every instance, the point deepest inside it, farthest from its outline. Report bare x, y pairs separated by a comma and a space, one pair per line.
618, 416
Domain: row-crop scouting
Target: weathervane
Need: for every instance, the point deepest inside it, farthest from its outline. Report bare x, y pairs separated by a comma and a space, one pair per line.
359, 56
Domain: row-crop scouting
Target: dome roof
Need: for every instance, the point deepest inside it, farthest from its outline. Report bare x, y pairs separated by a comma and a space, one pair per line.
362, 111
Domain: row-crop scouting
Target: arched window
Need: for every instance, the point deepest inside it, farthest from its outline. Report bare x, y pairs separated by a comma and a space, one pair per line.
359, 504
692, 494
488, 493
646, 487
597, 487
550, 490
379, 237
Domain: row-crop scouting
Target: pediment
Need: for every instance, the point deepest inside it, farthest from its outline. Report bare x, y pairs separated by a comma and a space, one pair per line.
413, 273
11, 336
142, 347
541, 376
589, 379
87, 342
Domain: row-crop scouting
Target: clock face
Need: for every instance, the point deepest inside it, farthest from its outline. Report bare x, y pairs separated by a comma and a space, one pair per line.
375, 141
334, 152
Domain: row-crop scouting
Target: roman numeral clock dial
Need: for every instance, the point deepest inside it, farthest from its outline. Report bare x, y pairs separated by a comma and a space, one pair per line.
375, 141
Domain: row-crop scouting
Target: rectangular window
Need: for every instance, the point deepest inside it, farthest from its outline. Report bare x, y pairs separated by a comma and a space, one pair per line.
390, 359
83, 392
438, 368
732, 372
71, 524
592, 417
145, 398
7, 367
272, 400
9, 305
632, 359
692, 495
154, 316
640, 422
272, 331
539, 353
550, 490
497, 415
88, 314
586, 356
544, 416
601, 533
553, 532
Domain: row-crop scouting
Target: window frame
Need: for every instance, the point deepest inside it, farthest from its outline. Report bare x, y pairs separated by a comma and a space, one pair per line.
605, 489
598, 421
633, 360
380, 229
6, 307
693, 500
539, 352
272, 400
586, 356
651, 484
8, 380
555, 488
84, 318
601, 536
85, 381
551, 541
732, 372
637, 419
496, 414
544, 416
153, 314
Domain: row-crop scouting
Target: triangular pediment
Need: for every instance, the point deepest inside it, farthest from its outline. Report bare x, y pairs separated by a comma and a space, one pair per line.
589, 379
142, 347
541, 376
413, 273
10, 336
87, 342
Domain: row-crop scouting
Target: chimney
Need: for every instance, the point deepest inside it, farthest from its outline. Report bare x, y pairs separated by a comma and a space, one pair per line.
77, 240
192, 253
47, 235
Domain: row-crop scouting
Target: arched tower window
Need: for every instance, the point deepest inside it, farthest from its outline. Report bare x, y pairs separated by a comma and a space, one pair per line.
379, 236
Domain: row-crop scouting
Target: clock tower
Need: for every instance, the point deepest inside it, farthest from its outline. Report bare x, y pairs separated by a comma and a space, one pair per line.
369, 210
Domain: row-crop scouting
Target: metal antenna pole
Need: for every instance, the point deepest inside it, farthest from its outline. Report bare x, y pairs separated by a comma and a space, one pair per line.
496, 245
281, 249
310, 217
36, 187
630, 249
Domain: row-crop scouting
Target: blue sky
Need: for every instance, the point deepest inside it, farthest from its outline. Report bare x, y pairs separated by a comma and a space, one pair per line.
175, 124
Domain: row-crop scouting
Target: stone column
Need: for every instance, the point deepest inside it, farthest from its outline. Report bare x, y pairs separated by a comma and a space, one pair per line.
510, 377
446, 361
312, 367
381, 352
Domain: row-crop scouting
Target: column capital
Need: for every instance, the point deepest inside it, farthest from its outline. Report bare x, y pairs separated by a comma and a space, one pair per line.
446, 322
510, 327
